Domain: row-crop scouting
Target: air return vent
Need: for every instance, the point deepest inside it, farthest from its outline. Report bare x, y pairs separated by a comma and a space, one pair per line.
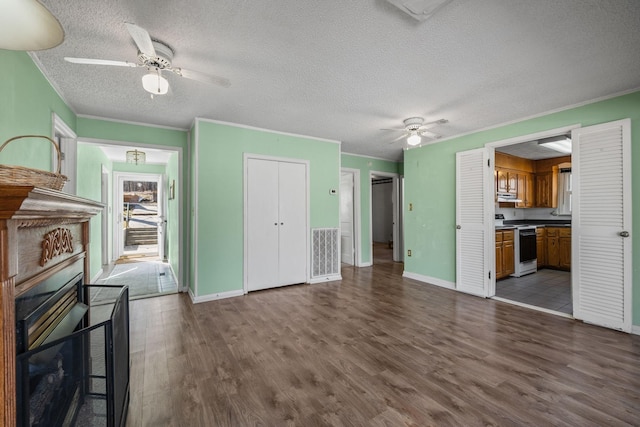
325, 255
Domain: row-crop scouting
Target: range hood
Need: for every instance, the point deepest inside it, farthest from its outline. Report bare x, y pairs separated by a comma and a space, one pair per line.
508, 198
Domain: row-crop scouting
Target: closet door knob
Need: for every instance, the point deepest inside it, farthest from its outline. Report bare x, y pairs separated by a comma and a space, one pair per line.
275, 223
624, 234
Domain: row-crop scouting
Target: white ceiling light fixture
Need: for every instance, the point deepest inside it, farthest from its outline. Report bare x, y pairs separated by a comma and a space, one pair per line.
28, 25
414, 139
155, 84
137, 157
415, 129
560, 143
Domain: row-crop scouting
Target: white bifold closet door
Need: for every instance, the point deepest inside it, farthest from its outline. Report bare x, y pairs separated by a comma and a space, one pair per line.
276, 223
601, 222
474, 255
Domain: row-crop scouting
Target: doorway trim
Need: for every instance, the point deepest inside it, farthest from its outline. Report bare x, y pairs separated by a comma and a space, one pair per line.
491, 146
397, 229
357, 216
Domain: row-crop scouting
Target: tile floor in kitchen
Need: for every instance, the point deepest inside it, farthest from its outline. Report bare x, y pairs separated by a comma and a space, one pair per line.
550, 289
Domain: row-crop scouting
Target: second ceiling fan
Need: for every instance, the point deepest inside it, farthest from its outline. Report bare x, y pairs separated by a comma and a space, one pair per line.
415, 128
156, 57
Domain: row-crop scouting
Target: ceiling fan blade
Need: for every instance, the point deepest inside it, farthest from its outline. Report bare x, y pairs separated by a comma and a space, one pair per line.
434, 123
393, 129
428, 134
404, 135
89, 61
142, 39
204, 78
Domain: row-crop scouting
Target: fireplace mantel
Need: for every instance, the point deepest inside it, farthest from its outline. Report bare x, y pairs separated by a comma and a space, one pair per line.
27, 216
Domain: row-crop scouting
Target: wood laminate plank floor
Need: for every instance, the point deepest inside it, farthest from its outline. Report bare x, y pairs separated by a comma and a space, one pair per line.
374, 349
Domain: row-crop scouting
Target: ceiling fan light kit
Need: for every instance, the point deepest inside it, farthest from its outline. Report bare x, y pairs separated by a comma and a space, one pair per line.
28, 25
414, 139
154, 83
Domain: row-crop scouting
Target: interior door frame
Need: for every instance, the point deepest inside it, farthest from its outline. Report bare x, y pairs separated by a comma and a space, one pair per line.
491, 146
357, 218
397, 234
245, 220
118, 198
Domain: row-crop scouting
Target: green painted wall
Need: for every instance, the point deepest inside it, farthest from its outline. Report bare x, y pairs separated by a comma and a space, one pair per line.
366, 165
27, 102
133, 168
220, 164
90, 161
430, 185
127, 132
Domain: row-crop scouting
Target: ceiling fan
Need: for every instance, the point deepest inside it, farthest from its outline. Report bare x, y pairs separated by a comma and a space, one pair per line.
415, 128
156, 57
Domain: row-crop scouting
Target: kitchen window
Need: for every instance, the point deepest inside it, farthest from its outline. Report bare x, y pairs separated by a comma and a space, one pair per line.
564, 191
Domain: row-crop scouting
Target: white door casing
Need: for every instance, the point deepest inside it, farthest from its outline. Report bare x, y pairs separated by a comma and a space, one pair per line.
473, 252
347, 217
601, 218
276, 223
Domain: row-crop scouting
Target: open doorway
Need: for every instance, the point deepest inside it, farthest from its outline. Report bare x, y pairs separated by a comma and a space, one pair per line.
533, 188
140, 223
350, 216
386, 218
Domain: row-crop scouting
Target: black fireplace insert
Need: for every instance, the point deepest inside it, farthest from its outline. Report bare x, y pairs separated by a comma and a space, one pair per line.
72, 363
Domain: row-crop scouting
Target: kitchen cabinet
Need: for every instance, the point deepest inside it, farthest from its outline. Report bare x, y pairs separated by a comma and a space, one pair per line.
559, 247
553, 248
541, 247
508, 254
506, 182
504, 253
525, 190
564, 243
546, 185
499, 257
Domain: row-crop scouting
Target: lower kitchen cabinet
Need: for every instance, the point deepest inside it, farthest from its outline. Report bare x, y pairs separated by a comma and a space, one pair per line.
541, 247
565, 248
504, 253
559, 247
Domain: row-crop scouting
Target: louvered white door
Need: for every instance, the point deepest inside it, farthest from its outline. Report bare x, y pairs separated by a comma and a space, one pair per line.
473, 255
601, 222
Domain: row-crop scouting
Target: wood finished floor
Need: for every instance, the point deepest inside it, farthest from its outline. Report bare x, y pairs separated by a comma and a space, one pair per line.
374, 350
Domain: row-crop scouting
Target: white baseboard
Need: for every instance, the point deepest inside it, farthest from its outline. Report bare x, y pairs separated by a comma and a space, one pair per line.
366, 264
429, 280
635, 329
95, 278
324, 279
216, 296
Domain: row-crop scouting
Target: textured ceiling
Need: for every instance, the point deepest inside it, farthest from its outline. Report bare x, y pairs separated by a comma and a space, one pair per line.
343, 70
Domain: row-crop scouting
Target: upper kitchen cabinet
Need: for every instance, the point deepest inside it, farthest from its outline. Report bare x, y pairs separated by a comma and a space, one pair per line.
535, 182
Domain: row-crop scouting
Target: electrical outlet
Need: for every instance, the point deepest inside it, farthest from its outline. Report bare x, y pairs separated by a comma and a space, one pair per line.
409, 252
